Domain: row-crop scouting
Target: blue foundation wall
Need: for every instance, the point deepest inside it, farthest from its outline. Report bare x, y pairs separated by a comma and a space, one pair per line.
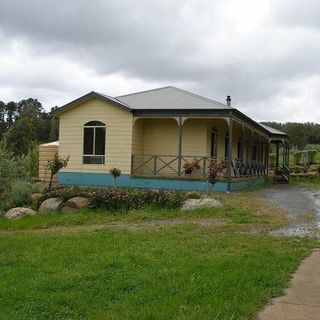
125, 180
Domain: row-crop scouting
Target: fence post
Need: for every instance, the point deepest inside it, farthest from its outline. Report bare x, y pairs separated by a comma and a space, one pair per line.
229, 153
155, 165
204, 169
132, 163
179, 145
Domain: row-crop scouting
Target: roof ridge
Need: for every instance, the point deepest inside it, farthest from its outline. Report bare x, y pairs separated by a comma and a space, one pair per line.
174, 88
112, 98
198, 96
143, 91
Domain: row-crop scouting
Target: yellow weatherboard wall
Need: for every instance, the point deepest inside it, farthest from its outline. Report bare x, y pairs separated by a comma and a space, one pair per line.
118, 136
46, 153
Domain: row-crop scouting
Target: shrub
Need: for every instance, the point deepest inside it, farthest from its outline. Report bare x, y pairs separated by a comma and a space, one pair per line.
312, 156
10, 167
119, 199
297, 155
125, 199
19, 193
313, 147
66, 193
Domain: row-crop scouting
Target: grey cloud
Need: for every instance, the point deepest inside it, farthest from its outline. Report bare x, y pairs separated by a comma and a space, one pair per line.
191, 42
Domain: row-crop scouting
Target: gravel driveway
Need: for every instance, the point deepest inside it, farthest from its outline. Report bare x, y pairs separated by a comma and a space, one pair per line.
302, 205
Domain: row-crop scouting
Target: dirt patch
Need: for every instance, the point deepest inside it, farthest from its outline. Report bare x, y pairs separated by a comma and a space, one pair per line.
137, 225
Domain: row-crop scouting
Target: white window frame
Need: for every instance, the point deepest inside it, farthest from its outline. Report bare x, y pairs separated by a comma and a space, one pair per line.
103, 157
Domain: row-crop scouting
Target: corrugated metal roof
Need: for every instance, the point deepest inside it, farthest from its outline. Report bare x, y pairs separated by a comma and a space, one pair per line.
169, 98
112, 99
272, 130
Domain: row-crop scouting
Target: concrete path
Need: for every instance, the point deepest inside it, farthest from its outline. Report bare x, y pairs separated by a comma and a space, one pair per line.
302, 300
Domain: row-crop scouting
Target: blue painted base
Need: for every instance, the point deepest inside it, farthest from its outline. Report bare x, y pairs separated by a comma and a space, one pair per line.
125, 180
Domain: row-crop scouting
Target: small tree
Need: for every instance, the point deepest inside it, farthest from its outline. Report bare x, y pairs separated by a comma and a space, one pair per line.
215, 168
55, 165
115, 174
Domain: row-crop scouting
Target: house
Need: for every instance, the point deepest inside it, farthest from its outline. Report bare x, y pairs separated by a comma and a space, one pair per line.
154, 136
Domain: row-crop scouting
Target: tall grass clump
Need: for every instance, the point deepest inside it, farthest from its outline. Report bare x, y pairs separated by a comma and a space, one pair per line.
11, 167
18, 193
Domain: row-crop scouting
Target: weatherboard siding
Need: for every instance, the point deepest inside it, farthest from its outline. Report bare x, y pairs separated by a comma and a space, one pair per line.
118, 135
46, 153
161, 138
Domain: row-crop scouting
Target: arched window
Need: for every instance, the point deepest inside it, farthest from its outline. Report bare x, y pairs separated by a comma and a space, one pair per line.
94, 142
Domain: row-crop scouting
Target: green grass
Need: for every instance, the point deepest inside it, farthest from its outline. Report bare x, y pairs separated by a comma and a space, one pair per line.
100, 265
239, 208
180, 272
306, 181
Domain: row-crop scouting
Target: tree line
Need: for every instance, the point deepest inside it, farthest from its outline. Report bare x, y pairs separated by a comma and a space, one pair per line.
25, 124
299, 134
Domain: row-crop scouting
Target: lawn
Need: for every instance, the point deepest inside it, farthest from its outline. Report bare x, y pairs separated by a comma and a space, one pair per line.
99, 265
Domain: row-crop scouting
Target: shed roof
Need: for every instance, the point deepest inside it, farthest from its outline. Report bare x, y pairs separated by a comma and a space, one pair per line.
169, 98
50, 144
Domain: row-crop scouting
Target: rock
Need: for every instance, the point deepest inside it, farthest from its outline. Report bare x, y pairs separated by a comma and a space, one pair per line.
35, 197
193, 204
50, 205
16, 213
69, 209
77, 203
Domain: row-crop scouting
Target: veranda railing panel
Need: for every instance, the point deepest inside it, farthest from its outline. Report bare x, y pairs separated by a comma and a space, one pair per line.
168, 166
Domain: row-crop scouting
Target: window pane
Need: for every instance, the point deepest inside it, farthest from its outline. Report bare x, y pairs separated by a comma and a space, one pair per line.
88, 141
93, 159
100, 141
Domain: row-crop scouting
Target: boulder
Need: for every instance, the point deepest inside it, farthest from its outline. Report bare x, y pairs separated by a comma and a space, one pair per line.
69, 209
77, 203
35, 197
51, 205
16, 213
193, 204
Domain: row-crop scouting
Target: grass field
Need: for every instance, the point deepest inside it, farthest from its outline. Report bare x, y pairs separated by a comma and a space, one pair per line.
145, 265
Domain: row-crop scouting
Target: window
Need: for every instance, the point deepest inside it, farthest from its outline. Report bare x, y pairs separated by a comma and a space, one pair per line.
213, 152
94, 142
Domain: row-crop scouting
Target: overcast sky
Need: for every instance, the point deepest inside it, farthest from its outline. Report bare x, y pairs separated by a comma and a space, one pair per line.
265, 54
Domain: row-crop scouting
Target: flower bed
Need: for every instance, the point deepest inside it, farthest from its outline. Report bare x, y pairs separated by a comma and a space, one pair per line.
117, 199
